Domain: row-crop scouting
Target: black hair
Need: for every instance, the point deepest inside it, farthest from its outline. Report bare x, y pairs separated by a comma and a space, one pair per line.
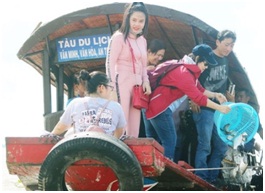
80, 77
155, 45
226, 34
131, 8
199, 59
247, 92
196, 59
95, 79
76, 79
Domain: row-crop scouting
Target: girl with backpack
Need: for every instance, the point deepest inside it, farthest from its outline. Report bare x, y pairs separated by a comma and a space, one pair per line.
173, 89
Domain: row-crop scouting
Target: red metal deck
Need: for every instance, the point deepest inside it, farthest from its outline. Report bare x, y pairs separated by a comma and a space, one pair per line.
25, 156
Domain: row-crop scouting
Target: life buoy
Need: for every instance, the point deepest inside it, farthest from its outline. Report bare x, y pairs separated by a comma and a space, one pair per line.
90, 145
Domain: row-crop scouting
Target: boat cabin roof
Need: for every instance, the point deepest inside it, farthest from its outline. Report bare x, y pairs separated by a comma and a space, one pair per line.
45, 49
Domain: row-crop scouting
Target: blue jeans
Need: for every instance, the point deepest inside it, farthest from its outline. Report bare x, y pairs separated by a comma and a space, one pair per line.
162, 128
149, 129
210, 149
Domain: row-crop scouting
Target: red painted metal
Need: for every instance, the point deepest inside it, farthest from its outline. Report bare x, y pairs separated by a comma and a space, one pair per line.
26, 154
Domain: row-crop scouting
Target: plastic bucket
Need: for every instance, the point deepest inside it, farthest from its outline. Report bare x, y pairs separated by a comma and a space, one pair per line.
241, 119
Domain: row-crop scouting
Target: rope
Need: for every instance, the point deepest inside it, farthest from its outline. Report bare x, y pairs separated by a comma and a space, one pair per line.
224, 168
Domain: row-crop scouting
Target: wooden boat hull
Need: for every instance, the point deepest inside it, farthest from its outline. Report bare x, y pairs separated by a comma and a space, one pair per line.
25, 156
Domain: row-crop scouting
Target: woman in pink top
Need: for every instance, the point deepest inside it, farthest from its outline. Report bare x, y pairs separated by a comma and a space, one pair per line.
119, 63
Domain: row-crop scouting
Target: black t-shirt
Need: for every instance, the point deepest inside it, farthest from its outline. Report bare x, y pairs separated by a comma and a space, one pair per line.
215, 78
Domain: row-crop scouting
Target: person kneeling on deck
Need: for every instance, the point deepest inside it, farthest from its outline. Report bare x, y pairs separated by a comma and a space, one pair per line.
94, 112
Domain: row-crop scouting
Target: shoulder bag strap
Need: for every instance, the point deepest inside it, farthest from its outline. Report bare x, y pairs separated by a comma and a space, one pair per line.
133, 57
97, 119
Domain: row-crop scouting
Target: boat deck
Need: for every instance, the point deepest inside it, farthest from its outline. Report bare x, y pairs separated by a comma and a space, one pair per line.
25, 156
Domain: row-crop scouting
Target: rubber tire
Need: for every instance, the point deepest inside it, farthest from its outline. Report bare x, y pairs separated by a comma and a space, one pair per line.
117, 155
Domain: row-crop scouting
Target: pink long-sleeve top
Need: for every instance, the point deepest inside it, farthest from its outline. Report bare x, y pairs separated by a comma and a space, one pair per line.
120, 58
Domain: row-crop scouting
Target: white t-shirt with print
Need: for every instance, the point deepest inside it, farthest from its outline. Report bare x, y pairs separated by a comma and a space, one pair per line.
83, 112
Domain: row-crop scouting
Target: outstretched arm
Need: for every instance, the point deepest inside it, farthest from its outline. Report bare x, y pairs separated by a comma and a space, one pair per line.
59, 129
